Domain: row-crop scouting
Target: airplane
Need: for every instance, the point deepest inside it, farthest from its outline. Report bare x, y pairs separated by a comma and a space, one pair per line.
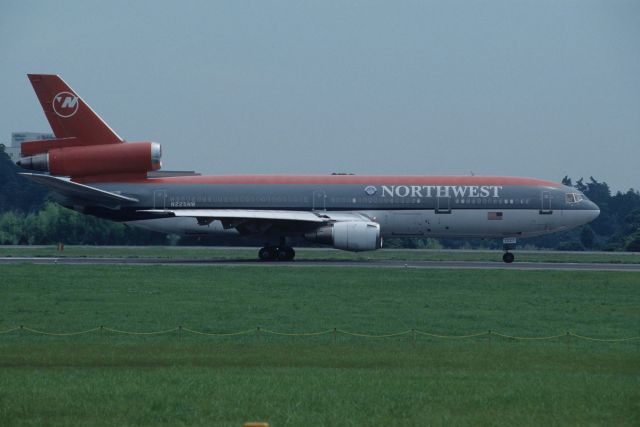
92, 170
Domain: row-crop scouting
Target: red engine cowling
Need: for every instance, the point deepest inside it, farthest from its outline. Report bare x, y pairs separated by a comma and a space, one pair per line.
95, 160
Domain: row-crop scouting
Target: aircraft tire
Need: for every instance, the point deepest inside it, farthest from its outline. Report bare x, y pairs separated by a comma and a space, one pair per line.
267, 253
286, 254
508, 257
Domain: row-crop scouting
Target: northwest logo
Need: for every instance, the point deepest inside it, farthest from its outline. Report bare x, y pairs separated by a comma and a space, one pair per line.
65, 104
436, 190
370, 190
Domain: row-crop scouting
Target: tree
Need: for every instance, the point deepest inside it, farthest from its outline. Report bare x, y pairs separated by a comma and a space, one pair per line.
11, 228
633, 242
600, 194
54, 224
623, 203
18, 193
587, 237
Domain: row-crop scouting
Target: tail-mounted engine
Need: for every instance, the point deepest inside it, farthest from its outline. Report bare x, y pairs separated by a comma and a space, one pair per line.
96, 160
84, 145
353, 236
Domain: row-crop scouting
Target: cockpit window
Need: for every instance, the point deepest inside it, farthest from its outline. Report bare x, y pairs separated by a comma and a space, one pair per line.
573, 197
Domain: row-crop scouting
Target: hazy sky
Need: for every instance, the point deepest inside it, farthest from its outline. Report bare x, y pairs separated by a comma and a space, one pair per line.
528, 88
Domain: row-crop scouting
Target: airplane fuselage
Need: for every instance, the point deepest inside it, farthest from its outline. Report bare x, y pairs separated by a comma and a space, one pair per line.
456, 207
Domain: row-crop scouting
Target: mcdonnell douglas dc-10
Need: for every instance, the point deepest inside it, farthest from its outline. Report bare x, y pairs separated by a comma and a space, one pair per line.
94, 171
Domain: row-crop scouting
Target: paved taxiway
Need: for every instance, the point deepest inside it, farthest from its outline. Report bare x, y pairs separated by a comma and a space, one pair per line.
327, 263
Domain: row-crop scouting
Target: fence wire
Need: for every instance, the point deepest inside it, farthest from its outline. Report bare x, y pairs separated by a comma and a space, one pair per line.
335, 331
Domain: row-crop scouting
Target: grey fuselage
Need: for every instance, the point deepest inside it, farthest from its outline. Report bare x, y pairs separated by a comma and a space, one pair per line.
464, 207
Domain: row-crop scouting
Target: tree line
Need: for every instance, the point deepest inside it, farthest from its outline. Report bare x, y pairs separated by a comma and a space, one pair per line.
28, 216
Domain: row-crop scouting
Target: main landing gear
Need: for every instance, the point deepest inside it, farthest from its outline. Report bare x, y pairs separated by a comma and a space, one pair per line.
508, 244
276, 253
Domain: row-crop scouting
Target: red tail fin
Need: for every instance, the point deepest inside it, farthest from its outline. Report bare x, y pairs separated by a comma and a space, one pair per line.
68, 115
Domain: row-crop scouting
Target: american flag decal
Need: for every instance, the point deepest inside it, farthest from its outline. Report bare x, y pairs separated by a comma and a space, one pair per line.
494, 215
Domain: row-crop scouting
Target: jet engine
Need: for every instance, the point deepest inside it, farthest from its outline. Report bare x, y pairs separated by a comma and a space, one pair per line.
93, 160
352, 236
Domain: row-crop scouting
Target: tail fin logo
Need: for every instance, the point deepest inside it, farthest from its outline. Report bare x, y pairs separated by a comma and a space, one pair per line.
65, 104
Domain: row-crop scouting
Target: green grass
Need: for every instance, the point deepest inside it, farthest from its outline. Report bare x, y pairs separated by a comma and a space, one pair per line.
104, 378
318, 254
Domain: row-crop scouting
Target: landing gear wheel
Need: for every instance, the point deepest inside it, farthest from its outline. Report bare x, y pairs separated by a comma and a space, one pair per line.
286, 254
508, 257
267, 253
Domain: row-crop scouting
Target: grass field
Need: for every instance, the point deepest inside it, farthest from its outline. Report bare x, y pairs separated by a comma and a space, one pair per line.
193, 252
104, 378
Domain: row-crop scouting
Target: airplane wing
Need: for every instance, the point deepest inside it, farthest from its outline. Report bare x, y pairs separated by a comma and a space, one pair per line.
256, 221
73, 190
241, 214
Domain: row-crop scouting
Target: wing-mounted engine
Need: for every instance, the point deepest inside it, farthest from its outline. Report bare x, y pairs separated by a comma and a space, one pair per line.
355, 236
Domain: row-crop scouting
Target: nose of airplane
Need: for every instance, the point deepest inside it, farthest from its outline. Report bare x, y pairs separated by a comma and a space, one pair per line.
584, 215
594, 211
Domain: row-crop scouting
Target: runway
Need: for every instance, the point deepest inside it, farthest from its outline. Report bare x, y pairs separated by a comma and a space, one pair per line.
326, 263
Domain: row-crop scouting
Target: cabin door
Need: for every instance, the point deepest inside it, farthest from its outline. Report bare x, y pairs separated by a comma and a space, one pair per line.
319, 200
159, 199
545, 209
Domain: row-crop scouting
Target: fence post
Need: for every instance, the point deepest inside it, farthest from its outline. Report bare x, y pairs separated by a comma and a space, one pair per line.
180, 332
334, 335
413, 337
258, 333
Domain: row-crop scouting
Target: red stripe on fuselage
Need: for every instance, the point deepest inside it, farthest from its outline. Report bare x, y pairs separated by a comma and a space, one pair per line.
325, 180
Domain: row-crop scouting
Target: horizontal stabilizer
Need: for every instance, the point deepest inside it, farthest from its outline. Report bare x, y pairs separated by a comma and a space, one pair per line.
31, 148
240, 214
73, 190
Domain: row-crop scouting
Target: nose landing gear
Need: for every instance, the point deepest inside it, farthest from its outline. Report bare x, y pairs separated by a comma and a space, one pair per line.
508, 243
508, 257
